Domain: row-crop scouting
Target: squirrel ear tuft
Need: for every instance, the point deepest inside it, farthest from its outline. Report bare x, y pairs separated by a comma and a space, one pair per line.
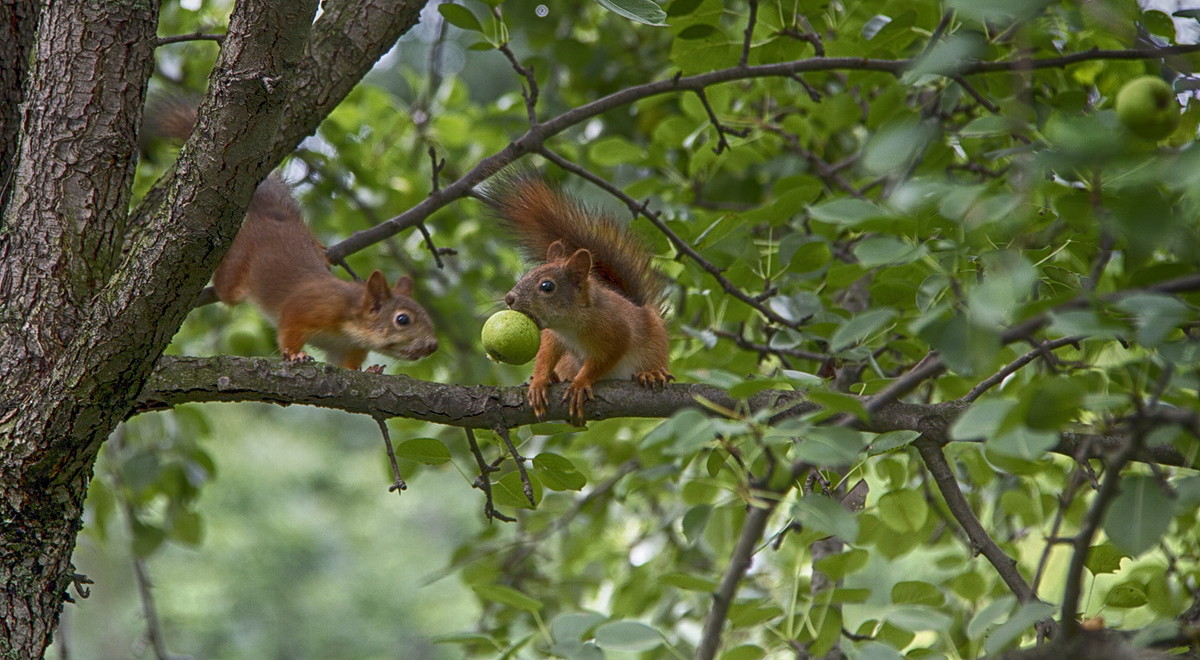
580, 265
404, 286
377, 292
557, 250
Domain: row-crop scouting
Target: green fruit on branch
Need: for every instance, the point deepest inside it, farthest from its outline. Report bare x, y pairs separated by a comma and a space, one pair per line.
1148, 108
511, 337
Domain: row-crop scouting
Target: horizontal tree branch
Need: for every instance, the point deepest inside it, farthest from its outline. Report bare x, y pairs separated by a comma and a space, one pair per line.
178, 380
538, 133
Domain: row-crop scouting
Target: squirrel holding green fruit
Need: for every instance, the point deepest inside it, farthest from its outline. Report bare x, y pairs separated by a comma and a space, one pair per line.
277, 263
595, 295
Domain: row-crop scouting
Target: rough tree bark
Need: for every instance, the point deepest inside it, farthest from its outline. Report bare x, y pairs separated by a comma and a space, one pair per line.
87, 308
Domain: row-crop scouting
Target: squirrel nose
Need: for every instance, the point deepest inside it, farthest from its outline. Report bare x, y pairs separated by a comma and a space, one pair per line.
510, 298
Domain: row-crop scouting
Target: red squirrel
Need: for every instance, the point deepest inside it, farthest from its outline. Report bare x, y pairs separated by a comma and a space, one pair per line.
277, 263
596, 297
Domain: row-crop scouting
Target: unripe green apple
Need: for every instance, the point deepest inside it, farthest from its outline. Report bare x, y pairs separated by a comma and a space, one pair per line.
511, 337
1147, 107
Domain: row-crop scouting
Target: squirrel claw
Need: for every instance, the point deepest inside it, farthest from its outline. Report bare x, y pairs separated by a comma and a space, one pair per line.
574, 398
299, 357
656, 378
537, 400
374, 369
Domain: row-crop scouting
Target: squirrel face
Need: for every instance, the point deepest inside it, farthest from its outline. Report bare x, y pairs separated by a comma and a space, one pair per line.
552, 294
392, 323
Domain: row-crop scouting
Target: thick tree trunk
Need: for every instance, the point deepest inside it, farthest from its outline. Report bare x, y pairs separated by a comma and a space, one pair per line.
18, 25
78, 334
90, 294
69, 181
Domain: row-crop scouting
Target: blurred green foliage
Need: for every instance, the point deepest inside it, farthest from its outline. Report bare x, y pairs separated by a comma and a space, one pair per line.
881, 216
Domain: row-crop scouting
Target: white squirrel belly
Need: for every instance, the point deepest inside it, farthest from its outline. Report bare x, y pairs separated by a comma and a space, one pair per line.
624, 369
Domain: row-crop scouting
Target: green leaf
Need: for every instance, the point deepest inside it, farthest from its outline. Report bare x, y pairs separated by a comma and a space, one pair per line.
684, 433
967, 348
460, 17
147, 538
1139, 515
628, 636
694, 522
881, 250
904, 511
828, 516
498, 593
1103, 558
689, 582
1023, 443
982, 420
744, 652
558, 473
891, 441
897, 145
510, 491
861, 327
1010, 631
829, 446
839, 402
1155, 315
427, 451
1053, 402
1129, 594
990, 126
574, 626
615, 150
989, 617
640, 11
917, 593
844, 211
838, 566
186, 526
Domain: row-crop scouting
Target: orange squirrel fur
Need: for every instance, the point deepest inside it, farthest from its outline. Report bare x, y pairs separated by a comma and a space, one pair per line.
277, 263
596, 297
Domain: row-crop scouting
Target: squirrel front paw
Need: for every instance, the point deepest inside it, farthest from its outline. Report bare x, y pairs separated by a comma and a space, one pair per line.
298, 357
575, 395
537, 399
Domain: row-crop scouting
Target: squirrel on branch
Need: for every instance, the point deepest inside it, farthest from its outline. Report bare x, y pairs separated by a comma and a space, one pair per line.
596, 296
277, 263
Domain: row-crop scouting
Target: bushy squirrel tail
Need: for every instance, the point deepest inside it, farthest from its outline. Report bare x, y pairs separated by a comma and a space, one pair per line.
172, 117
538, 215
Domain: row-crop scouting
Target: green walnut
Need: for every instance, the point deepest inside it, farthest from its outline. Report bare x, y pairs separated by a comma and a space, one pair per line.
1148, 108
511, 337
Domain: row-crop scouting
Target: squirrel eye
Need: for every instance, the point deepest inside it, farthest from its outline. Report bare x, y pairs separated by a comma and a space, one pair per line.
546, 286
402, 319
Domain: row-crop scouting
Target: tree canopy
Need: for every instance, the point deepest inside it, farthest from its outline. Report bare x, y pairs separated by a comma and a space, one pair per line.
932, 305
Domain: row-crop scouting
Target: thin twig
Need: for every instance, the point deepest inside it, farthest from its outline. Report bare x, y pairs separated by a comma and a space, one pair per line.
981, 541
398, 485
722, 130
1016, 365
749, 35
526, 485
764, 349
739, 563
1064, 501
530, 89
195, 36
483, 481
1083, 540
826, 172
